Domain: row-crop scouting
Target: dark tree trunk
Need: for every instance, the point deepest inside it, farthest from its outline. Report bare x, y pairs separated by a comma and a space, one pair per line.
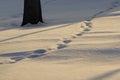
32, 12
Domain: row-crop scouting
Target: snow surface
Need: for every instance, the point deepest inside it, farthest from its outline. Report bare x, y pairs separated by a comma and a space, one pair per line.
78, 41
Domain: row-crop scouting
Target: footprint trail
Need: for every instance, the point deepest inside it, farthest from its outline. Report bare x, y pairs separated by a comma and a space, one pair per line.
62, 43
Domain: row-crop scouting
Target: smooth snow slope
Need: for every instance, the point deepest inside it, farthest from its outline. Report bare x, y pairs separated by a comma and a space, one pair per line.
79, 41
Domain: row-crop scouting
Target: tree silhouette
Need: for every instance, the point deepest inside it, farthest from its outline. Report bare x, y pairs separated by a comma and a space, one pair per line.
32, 12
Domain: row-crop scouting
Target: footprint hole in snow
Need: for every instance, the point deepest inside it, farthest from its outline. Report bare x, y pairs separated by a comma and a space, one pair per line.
61, 46
35, 56
74, 36
41, 51
87, 29
79, 34
67, 41
1, 63
16, 59
37, 53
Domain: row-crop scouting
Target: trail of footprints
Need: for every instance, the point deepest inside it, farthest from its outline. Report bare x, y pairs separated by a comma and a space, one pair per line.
63, 43
86, 25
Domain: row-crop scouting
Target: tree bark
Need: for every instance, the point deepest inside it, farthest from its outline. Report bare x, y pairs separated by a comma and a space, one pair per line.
32, 12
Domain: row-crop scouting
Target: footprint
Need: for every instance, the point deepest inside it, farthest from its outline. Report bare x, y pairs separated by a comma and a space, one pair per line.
87, 29
15, 59
74, 36
7, 61
80, 34
116, 4
111, 8
101, 12
1, 63
16, 54
67, 41
37, 53
61, 46
87, 23
28, 54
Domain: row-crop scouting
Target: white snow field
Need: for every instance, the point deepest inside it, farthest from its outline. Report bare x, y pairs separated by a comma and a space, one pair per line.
80, 40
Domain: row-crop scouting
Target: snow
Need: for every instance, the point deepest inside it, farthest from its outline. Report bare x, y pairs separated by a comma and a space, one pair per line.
78, 41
